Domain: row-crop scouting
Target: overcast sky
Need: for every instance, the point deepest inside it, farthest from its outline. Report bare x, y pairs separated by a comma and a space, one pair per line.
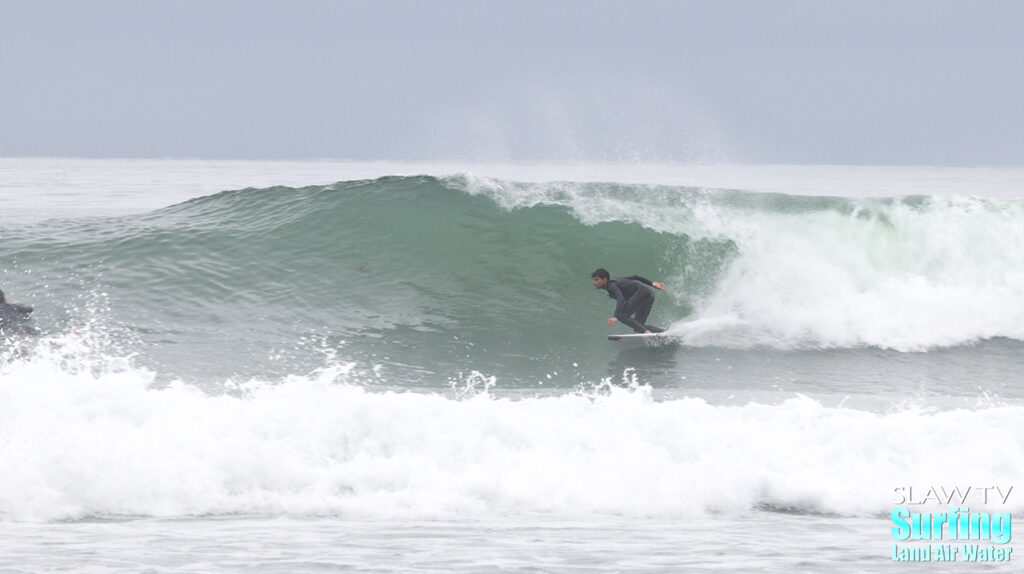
865, 82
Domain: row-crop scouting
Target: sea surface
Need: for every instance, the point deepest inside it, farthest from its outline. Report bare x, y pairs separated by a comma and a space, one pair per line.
339, 366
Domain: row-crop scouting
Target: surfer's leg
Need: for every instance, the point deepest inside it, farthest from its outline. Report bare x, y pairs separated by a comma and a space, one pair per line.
636, 325
643, 309
638, 306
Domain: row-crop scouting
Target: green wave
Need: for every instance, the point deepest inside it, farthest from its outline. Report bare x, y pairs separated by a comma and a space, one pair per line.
409, 270
447, 276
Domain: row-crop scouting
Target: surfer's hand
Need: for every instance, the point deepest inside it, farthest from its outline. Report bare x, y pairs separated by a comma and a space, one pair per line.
611, 321
658, 285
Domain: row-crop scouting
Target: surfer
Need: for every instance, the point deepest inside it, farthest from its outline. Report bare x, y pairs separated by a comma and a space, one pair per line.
12, 316
633, 296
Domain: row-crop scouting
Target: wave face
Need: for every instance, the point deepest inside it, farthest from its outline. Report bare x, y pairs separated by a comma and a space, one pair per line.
442, 275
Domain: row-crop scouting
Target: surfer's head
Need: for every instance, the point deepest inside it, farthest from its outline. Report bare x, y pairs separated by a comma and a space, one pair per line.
600, 278
2, 299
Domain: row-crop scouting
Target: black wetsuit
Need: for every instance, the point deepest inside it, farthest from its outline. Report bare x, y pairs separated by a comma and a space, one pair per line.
634, 298
11, 317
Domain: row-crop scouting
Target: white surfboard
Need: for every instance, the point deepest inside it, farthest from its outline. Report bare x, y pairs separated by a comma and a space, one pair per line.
640, 340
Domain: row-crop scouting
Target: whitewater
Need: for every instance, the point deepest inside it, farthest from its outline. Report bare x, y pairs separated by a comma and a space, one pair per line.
296, 366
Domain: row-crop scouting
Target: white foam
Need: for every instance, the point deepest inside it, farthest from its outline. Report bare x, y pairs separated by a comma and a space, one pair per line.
101, 441
906, 277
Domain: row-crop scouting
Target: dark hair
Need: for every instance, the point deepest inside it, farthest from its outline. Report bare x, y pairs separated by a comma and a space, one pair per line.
2, 299
602, 273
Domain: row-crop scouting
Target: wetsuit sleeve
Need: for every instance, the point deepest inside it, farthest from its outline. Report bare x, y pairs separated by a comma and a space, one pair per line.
642, 280
615, 293
22, 308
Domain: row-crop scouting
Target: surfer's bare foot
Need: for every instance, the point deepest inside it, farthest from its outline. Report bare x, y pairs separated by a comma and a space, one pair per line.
647, 332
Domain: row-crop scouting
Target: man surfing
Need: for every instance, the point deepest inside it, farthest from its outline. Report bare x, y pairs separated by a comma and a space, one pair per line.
633, 296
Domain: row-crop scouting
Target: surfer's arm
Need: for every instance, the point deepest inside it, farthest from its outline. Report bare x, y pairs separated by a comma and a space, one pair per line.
645, 281
22, 308
620, 300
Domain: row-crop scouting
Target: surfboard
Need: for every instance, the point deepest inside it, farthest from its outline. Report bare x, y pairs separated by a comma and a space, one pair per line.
640, 340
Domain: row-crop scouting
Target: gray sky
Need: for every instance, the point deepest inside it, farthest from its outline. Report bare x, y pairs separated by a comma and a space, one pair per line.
887, 82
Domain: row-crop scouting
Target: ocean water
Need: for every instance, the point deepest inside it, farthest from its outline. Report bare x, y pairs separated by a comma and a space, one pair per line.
329, 366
